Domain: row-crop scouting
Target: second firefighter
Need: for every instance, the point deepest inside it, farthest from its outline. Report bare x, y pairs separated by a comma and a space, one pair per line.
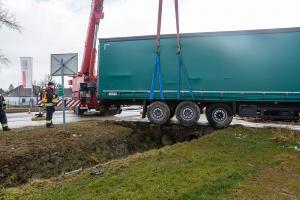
50, 100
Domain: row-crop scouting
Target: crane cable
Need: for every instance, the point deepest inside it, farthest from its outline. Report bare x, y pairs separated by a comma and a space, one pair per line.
177, 24
159, 19
180, 62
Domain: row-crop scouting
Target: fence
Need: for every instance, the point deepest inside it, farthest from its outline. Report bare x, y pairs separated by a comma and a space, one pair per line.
21, 103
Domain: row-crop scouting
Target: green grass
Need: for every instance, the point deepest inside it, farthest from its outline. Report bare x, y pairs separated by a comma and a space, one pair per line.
213, 167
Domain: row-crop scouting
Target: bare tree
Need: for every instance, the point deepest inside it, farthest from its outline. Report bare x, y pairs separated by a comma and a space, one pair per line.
48, 78
3, 59
11, 87
2, 91
8, 20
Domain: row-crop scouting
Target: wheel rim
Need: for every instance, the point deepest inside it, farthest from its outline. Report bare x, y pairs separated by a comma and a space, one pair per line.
158, 113
219, 115
187, 113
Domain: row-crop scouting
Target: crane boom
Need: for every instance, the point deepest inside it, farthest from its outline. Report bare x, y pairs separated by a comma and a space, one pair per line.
89, 57
84, 84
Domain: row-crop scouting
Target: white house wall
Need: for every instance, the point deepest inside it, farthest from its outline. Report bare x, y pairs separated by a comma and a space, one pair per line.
20, 101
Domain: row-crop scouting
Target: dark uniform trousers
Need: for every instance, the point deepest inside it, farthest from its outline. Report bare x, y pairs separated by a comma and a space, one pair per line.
3, 118
50, 111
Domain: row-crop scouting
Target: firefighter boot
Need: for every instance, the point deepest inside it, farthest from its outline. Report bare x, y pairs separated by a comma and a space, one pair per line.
6, 129
49, 125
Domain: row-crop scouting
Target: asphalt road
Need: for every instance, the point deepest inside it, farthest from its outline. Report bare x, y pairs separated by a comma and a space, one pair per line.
19, 120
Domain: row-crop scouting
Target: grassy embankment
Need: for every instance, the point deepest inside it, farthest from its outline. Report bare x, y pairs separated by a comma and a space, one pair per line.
235, 163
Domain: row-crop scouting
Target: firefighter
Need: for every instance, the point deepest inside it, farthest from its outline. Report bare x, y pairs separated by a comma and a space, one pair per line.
49, 100
3, 118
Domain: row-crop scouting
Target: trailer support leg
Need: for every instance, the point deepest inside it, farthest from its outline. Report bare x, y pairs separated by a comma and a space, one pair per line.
145, 106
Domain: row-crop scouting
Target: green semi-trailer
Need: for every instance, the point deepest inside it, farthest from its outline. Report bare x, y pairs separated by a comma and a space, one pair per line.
246, 73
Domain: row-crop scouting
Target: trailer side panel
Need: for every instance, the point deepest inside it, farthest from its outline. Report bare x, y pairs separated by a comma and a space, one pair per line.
229, 66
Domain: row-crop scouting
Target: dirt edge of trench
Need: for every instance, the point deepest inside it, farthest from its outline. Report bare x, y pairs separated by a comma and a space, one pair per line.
35, 154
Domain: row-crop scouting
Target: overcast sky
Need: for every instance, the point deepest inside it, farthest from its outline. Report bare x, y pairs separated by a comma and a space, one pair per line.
59, 26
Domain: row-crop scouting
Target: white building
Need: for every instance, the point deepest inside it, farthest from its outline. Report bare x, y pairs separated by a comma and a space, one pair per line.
22, 96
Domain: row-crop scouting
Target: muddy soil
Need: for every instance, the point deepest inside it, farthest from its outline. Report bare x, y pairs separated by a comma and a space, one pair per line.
37, 153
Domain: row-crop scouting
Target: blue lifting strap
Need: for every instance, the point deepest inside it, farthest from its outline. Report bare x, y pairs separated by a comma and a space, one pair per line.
182, 67
157, 71
157, 67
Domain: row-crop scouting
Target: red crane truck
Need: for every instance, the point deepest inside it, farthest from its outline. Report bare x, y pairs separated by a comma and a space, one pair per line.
84, 84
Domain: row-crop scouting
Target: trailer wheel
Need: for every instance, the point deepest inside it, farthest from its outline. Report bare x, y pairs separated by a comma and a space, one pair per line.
219, 115
188, 113
158, 113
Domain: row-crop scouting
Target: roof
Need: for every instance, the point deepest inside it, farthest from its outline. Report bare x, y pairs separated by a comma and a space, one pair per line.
26, 92
23, 92
203, 34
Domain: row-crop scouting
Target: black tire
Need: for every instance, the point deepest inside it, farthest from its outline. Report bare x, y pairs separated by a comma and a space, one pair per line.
219, 115
188, 113
158, 113
79, 112
110, 111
